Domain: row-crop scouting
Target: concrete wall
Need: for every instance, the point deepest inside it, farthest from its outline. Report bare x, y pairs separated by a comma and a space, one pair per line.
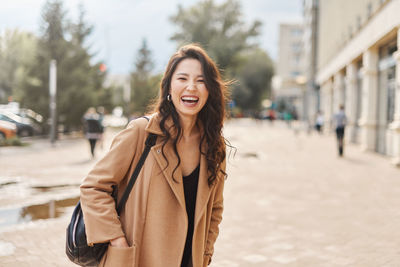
378, 26
339, 21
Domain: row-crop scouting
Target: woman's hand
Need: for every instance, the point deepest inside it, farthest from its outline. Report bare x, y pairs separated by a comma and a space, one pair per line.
119, 242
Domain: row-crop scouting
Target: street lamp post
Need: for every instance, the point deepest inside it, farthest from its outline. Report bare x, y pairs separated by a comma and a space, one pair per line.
53, 102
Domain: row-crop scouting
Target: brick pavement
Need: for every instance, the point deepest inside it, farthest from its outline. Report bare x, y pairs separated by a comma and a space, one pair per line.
289, 201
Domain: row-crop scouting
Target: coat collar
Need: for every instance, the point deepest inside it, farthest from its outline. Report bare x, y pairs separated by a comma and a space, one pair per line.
203, 190
154, 124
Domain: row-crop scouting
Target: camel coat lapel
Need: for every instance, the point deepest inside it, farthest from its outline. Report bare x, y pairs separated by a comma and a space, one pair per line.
168, 172
203, 191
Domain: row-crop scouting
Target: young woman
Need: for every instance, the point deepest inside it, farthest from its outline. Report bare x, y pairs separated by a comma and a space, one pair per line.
172, 215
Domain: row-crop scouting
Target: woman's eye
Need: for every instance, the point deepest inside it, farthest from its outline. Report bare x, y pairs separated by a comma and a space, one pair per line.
200, 81
182, 78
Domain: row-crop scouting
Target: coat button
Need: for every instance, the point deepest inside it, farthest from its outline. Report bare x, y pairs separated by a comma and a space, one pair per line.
158, 151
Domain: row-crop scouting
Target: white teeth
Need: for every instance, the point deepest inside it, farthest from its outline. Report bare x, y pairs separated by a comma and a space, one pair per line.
189, 98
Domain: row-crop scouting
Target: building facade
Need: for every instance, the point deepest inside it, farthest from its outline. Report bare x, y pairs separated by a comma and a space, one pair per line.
311, 99
359, 67
289, 81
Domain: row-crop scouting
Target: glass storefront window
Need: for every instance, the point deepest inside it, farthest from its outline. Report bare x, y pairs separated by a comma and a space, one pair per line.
359, 91
387, 77
386, 91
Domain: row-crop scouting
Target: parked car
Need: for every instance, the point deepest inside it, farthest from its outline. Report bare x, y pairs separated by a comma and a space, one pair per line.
24, 126
30, 114
25, 116
35, 119
7, 130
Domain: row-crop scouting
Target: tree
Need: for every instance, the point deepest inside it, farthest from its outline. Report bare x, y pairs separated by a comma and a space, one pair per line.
144, 85
83, 81
17, 50
51, 45
79, 82
254, 79
220, 29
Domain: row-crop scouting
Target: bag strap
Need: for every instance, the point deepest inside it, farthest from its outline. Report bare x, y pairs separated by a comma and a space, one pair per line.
150, 141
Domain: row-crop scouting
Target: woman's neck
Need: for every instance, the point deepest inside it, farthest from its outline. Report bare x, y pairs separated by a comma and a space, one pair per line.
189, 126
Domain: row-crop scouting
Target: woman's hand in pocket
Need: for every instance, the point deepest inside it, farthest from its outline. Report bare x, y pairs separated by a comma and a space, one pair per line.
119, 242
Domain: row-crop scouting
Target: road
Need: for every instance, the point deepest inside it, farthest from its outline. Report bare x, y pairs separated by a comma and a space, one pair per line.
289, 201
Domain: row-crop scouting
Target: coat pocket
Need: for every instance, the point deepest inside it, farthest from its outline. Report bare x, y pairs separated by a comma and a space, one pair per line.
120, 257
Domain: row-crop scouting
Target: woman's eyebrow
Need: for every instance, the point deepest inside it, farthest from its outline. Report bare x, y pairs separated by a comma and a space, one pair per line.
182, 73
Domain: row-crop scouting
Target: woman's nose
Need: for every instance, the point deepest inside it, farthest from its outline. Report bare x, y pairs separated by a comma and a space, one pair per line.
191, 86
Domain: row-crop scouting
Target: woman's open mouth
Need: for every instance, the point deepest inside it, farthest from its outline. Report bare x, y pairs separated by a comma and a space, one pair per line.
189, 101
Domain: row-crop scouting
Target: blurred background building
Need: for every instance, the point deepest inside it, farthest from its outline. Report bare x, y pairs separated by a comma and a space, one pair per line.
357, 57
289, 84
311, 98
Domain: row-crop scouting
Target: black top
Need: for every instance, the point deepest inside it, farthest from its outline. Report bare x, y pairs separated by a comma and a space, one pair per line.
190, 183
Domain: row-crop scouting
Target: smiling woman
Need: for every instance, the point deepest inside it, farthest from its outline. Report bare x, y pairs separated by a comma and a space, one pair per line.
172, 215
188, 91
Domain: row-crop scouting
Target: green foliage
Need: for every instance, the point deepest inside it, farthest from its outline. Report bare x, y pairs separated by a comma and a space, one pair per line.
221, 30
14, 141
144, 85
79, 82
254, 76
105, 97
16, 55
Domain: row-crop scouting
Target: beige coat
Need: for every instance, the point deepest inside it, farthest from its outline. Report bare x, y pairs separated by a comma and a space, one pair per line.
154, 220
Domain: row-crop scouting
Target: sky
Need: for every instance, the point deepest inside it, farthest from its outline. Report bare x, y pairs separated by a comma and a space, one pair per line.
121, 25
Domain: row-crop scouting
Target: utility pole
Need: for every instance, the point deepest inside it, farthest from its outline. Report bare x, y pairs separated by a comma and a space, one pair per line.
127, 95
53, 102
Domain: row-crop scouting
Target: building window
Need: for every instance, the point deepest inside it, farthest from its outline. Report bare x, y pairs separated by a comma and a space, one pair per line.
359, 91
296, 47
296, 60
358, 22
387, 80
295, 73
369, 10
296, 32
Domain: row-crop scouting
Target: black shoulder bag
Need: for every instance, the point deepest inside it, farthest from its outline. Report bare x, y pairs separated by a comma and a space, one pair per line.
77, 249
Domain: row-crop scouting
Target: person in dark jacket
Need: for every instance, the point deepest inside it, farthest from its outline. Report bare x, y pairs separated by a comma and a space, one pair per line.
92, 127
340, 121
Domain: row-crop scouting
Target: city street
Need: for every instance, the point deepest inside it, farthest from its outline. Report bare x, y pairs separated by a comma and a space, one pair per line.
289, 201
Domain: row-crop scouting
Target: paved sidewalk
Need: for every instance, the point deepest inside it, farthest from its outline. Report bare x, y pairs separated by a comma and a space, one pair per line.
35, 175
289, 201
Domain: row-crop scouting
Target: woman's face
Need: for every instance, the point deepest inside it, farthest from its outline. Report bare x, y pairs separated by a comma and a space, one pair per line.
188, 90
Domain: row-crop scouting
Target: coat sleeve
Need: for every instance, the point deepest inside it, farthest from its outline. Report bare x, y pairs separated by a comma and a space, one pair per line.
99, 212
216, 215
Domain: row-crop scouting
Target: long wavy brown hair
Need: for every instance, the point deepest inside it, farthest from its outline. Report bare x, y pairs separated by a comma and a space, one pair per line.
211, 116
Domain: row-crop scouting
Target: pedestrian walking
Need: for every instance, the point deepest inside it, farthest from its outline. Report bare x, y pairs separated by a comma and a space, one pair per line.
340, 121
173, 212
92, 128
319, 122
271, 115
288, 117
